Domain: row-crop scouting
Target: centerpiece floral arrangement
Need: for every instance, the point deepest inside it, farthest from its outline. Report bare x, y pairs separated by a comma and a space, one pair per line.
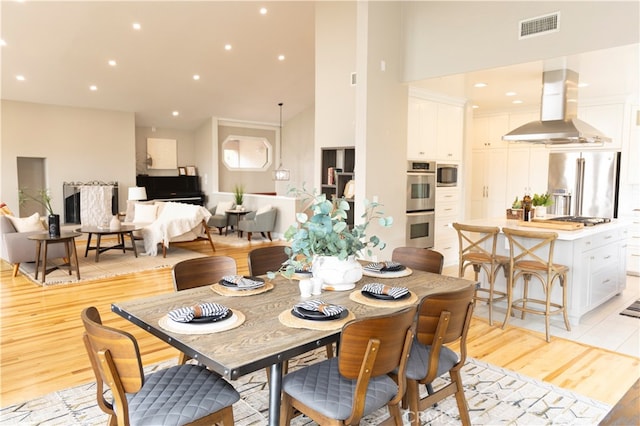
324, 231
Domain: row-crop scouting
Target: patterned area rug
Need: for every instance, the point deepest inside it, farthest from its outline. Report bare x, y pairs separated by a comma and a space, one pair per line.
633, 310
495, 396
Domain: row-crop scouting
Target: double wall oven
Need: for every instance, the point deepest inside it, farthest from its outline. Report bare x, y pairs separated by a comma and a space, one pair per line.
421, 203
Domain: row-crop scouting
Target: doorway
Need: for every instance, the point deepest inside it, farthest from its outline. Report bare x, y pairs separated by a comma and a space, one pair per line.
32, 180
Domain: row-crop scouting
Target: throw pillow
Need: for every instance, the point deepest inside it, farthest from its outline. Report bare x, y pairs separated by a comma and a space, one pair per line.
145, 213
223, 206
27, 224
263, 209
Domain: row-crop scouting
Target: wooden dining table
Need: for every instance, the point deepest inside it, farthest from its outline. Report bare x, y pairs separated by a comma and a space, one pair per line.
263, 340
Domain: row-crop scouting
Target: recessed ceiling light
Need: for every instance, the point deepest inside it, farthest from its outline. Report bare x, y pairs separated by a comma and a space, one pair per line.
137, 26
112, 62
475, 106
517, 101
196, 77
480, 85
227, 47
263, 11
281, 57
510, 94
93, 87
583, 84
175, 113
3, 43
20, 78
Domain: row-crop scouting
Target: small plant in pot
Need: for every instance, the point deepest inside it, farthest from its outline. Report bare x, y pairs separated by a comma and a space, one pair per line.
238, 196
324, 240
44, 198
541, 202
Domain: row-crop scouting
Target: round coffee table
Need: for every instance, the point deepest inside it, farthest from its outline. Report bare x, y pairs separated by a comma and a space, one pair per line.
122, 232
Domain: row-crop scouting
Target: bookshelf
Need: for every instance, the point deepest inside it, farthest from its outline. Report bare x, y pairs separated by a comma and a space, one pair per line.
337, 170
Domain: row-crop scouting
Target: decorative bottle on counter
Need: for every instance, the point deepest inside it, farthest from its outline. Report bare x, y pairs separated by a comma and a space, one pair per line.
526, 206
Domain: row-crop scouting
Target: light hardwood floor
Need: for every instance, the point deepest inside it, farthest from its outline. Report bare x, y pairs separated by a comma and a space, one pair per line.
41, 346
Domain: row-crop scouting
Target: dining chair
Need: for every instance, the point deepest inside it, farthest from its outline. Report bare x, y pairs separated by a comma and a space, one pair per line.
172, 396
531, 256
264, 259
442, 319
420, 259
477, 248
342, 390
198, 272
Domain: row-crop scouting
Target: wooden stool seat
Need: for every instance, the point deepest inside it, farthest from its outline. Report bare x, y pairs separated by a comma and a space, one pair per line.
531, 256
473, 241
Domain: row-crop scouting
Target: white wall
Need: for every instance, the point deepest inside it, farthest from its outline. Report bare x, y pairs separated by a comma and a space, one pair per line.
298, 151
79, 145
185, 149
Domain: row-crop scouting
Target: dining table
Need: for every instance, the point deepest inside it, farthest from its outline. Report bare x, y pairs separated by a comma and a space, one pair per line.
264, 333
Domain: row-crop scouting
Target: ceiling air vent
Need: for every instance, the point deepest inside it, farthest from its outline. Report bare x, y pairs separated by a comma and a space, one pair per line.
540, 25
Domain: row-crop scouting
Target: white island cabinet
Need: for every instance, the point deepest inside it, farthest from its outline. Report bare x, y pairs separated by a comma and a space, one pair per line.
595, 255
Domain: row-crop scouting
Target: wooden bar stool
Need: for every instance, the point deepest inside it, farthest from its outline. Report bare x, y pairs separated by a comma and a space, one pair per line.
473, 251
531, 255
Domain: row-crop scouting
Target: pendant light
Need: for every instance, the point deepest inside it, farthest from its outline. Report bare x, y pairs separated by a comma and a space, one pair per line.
281, 173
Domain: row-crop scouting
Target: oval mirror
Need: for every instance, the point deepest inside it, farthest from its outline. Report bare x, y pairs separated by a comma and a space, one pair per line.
246, 153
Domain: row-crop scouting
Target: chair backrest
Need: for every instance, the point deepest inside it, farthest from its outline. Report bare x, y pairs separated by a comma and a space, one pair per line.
531, 246
419, 259
202, 271
472, 240
265, 259
106, 343
459, 305
389, 331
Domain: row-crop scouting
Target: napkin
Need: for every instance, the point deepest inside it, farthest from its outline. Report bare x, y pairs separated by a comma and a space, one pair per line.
188, 313
387, 266
243, 282
320, 306
378, 288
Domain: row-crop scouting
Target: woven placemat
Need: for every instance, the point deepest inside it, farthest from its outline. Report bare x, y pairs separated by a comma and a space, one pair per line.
236, 320
224, 291
287, 318
357, 296
393, 274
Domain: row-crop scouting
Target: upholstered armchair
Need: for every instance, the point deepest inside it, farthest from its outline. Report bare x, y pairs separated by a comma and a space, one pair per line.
262, 220
219, 218
17, 248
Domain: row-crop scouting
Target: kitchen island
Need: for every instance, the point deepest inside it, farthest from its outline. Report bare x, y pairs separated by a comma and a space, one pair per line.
595, 255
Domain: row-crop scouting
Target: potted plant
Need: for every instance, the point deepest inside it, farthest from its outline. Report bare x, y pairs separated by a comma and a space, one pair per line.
541, 202
238, 196
322, 239
43, 197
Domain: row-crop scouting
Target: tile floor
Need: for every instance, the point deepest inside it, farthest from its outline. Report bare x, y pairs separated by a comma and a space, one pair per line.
602, 327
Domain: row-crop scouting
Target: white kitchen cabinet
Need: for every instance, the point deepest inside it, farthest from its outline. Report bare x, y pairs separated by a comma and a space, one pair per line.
448, 211
633, 245
489, 183
527, 167
489, 130
434, 130
608, 118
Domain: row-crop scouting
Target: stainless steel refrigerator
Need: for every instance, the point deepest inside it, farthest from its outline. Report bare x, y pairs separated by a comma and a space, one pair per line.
584, 183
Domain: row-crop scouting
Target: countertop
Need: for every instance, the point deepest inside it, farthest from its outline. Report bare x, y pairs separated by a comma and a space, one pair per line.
562, 234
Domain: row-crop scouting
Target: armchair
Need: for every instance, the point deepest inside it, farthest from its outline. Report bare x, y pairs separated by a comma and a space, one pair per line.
263, 220
16, 248
219, 218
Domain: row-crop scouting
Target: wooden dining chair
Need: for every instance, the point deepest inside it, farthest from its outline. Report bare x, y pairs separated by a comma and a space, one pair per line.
442, 319
265, 259
172, 396
342, 390
420, 259
201, 271
198, 272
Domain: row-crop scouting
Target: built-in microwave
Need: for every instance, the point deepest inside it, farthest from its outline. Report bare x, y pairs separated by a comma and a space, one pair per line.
447, 174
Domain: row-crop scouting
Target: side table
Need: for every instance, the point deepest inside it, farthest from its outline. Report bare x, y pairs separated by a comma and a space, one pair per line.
69, 241
239, 214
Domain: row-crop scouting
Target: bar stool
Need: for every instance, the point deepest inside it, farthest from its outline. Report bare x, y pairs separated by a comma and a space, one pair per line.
473, 241
531, 255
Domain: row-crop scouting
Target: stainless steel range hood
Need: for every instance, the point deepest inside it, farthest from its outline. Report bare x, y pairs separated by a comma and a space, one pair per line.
558, 123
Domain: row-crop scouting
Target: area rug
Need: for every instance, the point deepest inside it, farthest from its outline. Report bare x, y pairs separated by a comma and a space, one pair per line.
495, 396
111, 263
632, 310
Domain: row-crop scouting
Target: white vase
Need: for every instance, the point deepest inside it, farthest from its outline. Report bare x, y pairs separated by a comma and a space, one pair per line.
336, 274
114, 225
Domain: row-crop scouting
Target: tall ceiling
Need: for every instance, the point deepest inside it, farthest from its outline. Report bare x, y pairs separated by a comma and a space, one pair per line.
62, 48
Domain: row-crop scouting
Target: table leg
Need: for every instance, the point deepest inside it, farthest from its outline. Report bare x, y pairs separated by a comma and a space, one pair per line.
133, 243
75, 256
86, 252
44, 262
67, 251
38, 245
98, 248
275, 390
